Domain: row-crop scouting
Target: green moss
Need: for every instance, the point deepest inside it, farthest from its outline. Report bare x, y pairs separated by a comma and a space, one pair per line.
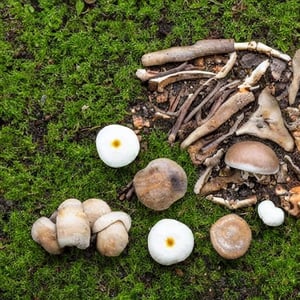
66, 70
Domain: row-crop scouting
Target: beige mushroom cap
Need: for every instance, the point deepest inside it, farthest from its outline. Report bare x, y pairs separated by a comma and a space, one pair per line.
252, 156
160, 184
112, 233
231, 236
72, 225
95, 208
43, 232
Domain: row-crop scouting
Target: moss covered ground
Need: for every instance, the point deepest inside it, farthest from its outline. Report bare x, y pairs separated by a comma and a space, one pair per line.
66, 70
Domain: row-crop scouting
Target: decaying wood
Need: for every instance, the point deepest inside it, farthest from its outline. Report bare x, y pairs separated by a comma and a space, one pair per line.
234, 104
186, 53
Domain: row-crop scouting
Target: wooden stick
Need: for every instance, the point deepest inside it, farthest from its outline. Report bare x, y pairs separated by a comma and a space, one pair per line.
185, 53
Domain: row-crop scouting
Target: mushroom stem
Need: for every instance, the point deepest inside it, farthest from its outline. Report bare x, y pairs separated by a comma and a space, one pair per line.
235, 103
233, 204
185, 53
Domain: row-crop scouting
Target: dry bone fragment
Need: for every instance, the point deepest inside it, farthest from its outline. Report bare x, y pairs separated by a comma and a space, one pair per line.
267, 122
210, 163
295, 84
290, 200
233, 204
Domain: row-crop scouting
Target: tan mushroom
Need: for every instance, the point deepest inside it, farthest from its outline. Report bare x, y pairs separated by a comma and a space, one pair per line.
267, 122
112, 233
95, 208
43, 232
72, 225
252, 157
231, 236
160, 184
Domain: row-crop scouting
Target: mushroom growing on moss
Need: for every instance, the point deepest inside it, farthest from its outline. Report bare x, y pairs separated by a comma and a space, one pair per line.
231, 236
43, 232
270, 214
160, 184
72, 225
117, 145
170, 242
112, 232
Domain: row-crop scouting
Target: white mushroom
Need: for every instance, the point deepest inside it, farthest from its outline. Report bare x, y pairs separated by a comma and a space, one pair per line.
72, 225
43, 232
117, 145
94, 209
270, 214
170, 242
112, 233
267, 122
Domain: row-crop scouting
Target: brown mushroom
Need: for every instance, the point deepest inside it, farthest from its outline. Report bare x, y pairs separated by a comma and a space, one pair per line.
254, 157
231, 236
160, 184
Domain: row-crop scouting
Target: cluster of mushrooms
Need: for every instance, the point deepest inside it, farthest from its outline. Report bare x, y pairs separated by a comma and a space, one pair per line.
163, 181
74, 223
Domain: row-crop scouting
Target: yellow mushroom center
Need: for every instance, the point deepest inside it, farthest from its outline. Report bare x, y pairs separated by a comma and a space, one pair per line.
170, 242
116, 143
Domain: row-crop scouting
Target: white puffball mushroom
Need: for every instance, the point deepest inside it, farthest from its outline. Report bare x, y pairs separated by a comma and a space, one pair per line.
72, 225
270, 214
43, 232
112, 233
170, 242
117, 145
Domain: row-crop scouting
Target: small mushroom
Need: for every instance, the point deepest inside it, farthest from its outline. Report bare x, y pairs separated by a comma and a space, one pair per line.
231, 236
254, 157
160, 184
94, 209
270, 214
117, 145
43, 232
112, 233
72, 225
267, 122
170, 242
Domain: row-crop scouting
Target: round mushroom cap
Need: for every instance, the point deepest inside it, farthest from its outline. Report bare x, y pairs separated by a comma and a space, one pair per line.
95, 208
160, 184
270, 214
252, 156
117, 145
231, 236
170, 242
43, 232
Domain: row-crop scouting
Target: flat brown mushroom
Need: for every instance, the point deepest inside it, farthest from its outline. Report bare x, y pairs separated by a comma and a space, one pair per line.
231, 236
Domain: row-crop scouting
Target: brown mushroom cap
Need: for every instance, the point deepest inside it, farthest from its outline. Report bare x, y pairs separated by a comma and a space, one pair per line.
160, 184
252, 156
231, 236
